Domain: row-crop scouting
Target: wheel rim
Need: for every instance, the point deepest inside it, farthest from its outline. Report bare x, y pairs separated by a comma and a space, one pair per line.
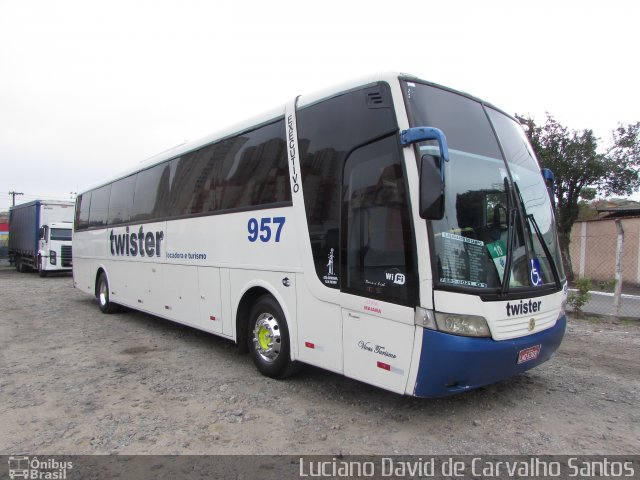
266, 337
102, 293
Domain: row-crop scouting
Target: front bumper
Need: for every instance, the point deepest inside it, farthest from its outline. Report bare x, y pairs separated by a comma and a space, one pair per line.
452, 364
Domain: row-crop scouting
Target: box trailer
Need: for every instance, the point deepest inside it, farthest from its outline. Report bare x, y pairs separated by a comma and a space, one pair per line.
40, 235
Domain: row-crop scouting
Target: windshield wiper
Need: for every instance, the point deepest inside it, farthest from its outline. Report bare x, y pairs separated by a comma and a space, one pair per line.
532, 221
511, 227
547, 252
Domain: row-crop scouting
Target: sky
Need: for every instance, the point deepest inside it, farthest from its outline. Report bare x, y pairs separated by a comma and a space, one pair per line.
89, 88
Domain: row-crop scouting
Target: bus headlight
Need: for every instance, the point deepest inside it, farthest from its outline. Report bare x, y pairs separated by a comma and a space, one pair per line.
467, 325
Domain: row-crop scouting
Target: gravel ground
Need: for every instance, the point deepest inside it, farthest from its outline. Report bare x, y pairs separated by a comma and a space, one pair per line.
75, 381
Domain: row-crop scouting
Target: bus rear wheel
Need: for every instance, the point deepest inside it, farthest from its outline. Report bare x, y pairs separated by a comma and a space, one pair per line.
102, 295
269, 339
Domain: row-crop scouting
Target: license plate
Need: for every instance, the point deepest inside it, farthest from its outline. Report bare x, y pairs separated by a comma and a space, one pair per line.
529, 354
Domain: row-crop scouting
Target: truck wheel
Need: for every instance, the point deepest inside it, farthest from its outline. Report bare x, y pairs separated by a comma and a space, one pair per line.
102, 295
269, 339
41, 271
20, 267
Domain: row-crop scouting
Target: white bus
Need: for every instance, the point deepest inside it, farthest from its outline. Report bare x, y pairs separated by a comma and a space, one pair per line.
391, 230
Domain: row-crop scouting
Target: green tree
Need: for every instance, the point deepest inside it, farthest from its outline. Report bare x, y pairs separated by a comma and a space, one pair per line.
581, 171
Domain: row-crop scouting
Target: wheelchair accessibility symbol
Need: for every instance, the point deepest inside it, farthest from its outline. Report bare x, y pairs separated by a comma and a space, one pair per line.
536, 278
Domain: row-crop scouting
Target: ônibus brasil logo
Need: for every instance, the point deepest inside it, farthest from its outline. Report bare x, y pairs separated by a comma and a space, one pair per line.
34, 468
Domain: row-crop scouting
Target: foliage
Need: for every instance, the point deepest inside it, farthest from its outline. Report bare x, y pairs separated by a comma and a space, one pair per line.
587, 211
607, 285
623, 161
578, 299
580, 171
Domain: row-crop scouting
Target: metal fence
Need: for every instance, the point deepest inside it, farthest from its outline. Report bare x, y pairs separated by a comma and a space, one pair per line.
605, 254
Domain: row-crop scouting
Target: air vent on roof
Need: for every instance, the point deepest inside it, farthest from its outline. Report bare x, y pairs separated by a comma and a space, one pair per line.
376, 98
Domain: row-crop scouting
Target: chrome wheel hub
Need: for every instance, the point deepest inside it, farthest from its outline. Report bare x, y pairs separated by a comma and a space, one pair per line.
266, 337
102, 293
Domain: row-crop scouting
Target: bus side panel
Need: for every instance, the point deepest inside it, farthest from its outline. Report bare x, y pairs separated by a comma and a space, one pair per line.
127, 282
319, 330
85, 263
252, 239
117, 273
225, 304
376, 350
181, 296
210, 314
83, 276
136, 284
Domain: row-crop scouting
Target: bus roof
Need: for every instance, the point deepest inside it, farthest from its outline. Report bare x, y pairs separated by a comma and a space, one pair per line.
266, 117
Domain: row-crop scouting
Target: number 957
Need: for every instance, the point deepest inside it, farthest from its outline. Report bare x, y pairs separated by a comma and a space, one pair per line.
263, 229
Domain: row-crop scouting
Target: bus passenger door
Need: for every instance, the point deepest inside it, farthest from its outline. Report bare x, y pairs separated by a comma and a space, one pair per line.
378, 279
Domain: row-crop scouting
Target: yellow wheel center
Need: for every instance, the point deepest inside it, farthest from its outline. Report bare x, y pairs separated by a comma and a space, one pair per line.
263, 338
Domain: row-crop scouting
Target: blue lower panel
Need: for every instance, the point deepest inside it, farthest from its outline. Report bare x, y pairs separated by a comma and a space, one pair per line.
451, 364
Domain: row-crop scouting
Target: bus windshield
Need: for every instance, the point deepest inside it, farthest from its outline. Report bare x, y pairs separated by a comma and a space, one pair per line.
498, 230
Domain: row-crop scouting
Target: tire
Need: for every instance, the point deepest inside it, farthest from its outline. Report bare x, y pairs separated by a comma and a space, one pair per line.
269, 339
102, 295
20, 266
41, 271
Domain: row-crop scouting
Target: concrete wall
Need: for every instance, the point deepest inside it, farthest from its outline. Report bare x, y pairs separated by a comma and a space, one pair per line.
593, 250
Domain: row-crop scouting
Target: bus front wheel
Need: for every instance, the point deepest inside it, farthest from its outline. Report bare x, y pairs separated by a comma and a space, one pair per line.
102, 295
269, 339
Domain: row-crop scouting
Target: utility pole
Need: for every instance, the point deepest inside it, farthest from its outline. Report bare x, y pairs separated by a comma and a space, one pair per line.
13, 194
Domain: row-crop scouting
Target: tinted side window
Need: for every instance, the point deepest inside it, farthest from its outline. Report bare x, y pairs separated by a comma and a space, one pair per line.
379, 259
151, 198
82, 211
99, 211
243, 171
192, 176
327, 132
253, 168
121, 200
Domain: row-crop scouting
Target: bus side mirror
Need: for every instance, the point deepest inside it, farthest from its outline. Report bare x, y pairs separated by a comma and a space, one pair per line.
431, 170
422, 134
550, 182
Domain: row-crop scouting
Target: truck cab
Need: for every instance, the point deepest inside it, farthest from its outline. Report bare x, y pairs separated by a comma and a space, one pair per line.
54, 248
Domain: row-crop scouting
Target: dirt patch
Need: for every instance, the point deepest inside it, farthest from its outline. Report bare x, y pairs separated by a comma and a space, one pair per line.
75, 381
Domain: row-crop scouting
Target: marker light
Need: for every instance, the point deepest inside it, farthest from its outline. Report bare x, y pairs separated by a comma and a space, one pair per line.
424, 318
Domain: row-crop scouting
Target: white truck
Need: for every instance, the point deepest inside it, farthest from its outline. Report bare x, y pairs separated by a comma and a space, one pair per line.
40, 236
